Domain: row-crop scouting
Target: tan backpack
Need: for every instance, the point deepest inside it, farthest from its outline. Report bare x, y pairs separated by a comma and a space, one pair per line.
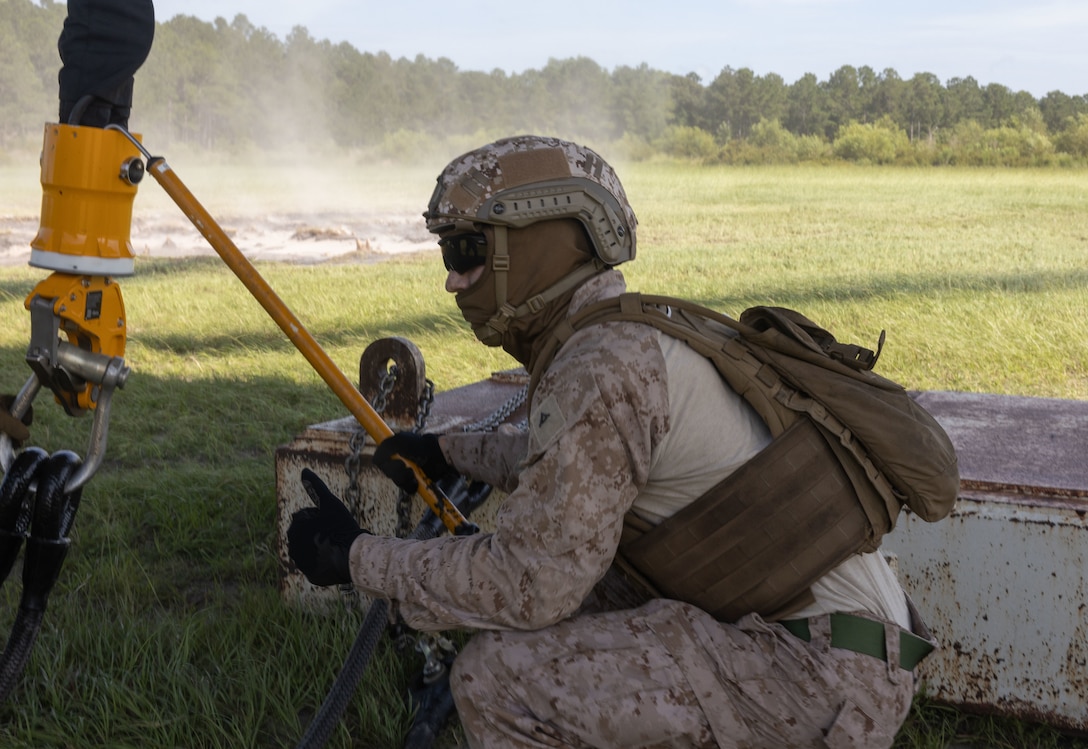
850, 450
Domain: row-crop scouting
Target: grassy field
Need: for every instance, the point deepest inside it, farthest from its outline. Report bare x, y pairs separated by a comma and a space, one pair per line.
166, 628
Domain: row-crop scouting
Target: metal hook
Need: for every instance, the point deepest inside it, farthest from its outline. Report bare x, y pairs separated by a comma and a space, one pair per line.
96, 448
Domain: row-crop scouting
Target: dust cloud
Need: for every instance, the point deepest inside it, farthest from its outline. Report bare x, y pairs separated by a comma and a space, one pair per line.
271, 206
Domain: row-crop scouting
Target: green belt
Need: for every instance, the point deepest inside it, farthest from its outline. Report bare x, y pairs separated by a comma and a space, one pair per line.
865, 636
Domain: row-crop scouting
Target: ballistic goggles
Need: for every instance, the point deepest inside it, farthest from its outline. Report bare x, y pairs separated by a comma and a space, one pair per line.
463, 252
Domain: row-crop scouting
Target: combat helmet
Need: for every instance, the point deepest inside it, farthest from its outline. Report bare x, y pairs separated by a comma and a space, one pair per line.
516, 182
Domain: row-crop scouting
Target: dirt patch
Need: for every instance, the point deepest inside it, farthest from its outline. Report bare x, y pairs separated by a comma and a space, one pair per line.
302, 239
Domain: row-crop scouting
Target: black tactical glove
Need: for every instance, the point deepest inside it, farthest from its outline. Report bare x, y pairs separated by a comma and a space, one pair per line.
421, 449
319, 538
9, 425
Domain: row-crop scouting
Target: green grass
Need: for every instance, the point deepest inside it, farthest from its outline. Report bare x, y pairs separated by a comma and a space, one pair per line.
166, 627
978, 276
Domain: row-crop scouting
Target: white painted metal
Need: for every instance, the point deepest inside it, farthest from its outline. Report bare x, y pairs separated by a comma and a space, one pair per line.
1002, 585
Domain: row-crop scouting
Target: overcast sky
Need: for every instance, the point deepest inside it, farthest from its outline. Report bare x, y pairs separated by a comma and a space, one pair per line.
1033, 45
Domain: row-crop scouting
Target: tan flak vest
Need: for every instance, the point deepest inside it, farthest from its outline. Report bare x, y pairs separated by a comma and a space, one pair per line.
849, 450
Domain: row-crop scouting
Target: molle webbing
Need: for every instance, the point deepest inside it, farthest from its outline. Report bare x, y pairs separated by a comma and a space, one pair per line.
757, 540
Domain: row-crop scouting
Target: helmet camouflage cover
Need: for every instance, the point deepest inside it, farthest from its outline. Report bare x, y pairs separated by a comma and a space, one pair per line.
518, 181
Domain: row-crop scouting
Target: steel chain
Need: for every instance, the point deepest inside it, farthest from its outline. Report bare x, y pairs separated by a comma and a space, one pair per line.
353, 466
501, 414
404, 501
385, 387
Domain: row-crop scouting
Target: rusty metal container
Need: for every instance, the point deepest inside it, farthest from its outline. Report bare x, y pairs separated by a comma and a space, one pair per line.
1002, 581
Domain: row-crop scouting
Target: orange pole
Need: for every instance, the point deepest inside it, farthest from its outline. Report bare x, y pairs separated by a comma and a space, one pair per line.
348, 394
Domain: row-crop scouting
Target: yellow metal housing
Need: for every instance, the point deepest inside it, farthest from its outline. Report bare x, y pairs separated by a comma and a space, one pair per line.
87, 196
91, 314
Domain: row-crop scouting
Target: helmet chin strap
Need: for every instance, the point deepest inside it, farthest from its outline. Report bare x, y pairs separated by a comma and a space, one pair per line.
491, 332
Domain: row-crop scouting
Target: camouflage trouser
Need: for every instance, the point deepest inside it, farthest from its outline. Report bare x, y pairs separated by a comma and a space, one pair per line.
668, 675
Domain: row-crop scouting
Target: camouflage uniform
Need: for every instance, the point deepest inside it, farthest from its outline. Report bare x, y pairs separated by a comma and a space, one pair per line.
542, 673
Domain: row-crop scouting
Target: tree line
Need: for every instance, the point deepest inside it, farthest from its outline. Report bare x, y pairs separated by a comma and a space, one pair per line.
232, 85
